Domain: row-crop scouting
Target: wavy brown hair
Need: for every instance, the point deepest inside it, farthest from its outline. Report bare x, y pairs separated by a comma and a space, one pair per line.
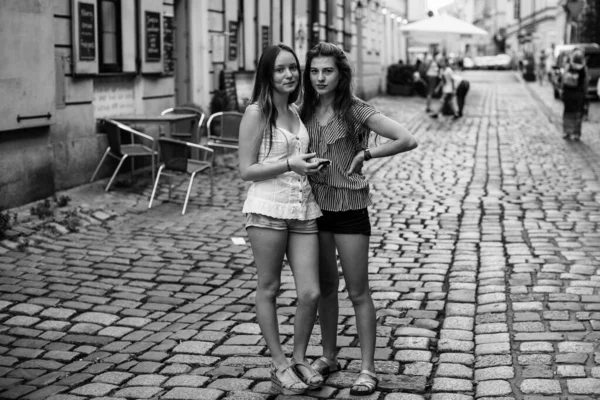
262, 93
343, 92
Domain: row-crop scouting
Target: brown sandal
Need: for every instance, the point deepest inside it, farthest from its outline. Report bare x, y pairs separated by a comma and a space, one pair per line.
287, 383
308, 374
325, 366
366, 379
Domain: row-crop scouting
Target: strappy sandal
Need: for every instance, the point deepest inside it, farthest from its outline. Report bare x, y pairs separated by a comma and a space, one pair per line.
287, 382
308, 374
366, 379
325, 366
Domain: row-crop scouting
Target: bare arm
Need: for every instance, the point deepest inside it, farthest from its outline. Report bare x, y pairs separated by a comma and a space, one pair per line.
251, 134
401, 140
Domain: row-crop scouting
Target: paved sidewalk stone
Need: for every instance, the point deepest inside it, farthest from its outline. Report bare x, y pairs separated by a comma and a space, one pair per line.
484, 268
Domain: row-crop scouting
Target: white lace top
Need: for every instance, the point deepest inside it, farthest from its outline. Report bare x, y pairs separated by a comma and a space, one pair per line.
289, 195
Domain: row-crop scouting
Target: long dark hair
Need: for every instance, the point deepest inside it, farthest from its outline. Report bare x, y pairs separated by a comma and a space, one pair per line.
343, 92
262, 93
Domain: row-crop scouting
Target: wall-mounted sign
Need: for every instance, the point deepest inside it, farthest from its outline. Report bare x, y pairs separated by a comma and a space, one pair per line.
87, 31
265, 36
169, 59
233, 40
153, 42
227, 83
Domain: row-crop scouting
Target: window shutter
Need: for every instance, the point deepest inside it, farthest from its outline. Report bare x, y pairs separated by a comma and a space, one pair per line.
85, 36
150, 34
128, 35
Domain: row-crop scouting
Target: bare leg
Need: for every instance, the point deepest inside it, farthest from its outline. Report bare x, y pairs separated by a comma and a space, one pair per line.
303, 255
353, 250
329, 281
268, 247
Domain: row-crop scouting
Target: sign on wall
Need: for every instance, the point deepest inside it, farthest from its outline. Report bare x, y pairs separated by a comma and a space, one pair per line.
87, 31
84, 37
265, 40
153, 41
169, 48
233, 40
149, 35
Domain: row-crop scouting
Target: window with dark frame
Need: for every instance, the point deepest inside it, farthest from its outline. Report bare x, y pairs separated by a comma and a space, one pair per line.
109, 29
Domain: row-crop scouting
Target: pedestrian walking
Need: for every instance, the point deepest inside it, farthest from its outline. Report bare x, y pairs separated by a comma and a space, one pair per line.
448, 91
339, 125
541, 67
574, 89
431, 66
281, 211
462, 88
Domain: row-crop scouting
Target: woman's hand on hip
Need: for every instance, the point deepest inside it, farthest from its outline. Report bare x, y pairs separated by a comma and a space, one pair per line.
357, 162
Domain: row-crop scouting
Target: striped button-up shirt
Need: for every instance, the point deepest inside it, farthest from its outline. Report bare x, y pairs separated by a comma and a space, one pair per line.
335, 189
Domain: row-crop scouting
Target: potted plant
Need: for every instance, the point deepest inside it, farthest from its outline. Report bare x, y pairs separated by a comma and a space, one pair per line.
400, 79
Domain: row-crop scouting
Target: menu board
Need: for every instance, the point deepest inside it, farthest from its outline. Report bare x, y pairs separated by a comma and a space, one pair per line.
233, 40
87, 31
227, 83
153, 42
169, 59
265, 36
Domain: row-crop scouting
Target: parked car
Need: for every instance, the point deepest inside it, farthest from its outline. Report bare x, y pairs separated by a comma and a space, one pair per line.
502, 61
592, 58
468, 63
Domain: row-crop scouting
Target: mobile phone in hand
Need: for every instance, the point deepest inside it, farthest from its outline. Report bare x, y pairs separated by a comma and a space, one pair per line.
324, 162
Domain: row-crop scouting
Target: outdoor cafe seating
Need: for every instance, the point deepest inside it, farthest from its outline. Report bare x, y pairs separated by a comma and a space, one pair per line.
137, 145
223, 129
180, 158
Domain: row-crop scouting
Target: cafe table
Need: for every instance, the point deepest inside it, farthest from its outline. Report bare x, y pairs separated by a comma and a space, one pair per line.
168, 120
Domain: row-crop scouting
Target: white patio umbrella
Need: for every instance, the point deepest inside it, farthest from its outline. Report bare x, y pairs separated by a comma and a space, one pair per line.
443, 24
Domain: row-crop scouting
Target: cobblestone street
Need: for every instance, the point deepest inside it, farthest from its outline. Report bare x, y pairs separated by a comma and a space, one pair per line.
485, 270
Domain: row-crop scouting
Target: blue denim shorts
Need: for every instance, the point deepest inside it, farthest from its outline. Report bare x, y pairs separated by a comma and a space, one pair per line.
278, 224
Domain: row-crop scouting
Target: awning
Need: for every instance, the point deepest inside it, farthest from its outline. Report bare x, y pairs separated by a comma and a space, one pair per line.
443, 24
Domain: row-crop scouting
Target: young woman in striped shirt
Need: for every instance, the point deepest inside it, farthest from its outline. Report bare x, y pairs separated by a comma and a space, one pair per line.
339, 125
281, 211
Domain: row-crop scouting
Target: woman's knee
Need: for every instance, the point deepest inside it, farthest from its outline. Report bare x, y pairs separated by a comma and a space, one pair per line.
309, 298
359, 296
329, 286
268, 291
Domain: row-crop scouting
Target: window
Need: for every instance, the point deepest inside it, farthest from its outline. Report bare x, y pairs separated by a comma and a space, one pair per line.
109, 24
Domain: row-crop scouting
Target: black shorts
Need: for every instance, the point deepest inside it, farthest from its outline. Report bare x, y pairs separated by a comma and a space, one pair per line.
348, 222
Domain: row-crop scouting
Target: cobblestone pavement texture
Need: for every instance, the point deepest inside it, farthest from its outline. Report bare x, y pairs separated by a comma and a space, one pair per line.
485, 270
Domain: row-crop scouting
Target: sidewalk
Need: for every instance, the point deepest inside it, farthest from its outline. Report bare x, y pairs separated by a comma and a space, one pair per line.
484, 268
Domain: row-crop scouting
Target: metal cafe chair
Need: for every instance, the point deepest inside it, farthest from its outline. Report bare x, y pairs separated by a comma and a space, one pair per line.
223, 129
180, 158
187, 130
123, 151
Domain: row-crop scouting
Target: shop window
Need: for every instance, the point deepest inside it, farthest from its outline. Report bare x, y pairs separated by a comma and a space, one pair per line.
109, 21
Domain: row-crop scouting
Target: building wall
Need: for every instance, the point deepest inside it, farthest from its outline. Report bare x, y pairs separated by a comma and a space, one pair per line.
39, 160
41, 155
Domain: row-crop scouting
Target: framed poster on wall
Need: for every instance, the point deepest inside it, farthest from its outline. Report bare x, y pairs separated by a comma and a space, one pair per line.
168, 46
153, 41
233, 40
87, 31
